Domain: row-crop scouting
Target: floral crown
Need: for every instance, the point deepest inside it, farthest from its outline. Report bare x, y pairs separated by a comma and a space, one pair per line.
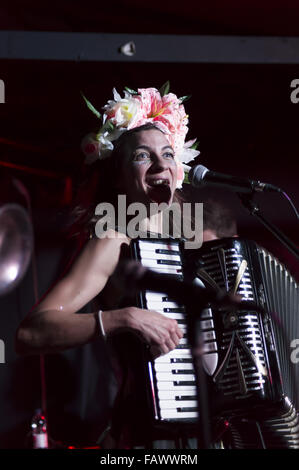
148, 105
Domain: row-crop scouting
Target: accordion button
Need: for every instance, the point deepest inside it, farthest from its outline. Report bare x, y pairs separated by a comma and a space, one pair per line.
206, 313
207, 324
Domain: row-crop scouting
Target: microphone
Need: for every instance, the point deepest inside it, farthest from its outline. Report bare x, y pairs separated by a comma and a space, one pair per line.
135, 277
200, 176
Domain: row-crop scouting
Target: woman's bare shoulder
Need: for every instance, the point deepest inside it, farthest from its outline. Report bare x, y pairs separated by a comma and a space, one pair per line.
103, 253
88, 274
109, 240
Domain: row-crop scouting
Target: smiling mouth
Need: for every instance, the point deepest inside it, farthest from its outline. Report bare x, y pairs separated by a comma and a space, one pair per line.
159, 190
158, 182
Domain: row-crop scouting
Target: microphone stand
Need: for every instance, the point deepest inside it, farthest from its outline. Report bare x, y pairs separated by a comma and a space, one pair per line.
251, 205
195, 340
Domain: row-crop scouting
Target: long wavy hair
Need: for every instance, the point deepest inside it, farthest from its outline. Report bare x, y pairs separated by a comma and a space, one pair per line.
97, 186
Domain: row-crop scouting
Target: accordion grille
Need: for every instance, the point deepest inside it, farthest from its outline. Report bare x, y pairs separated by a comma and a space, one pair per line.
282, 297
223, 267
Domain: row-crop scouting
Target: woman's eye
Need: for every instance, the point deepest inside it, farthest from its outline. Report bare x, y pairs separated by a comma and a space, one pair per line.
141, 156
168, 155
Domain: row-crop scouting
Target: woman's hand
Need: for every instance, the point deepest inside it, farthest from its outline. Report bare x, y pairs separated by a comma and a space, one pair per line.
161, 333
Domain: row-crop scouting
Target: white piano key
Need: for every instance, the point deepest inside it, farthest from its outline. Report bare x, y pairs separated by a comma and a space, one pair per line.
183, 341
172, 414
166, 268
154, 296
145, 254
159, 298
173, 366
159, 248
168, 376
182, 352
150, 246
173, 405
152, 304
173, 316
174, 354
183, 327
171, 395
160, 308
179, 389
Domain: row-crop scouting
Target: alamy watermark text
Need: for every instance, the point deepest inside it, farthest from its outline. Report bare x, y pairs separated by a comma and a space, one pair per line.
175, 219
2, 91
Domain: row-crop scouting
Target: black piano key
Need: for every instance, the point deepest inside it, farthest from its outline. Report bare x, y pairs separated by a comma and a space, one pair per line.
169, 262
182, 371
174, 310
184, 382
166, 252
185, 397
183, 346
182, 410
181, 360
169, 299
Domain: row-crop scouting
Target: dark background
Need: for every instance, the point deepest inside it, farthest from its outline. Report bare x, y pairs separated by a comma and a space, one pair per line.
242, 116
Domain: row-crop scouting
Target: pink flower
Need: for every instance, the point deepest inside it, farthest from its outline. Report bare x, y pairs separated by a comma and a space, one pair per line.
166, 112
180, 171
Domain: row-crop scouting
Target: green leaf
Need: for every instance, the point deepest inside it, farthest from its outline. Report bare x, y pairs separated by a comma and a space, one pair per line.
186, 179
129, 90
195, 145
109, 125
185, 98
164, 90
91, 107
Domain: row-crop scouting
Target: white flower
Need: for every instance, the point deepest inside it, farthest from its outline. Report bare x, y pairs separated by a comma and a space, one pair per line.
97, 146
105, 141
122, 112
186, 154
91, 148
136, 109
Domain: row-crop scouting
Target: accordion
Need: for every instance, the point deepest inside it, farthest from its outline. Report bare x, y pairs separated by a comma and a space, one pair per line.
252, 382
255, 384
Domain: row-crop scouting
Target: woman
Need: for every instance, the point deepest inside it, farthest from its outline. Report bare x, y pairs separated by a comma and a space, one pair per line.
147, 170
139, 144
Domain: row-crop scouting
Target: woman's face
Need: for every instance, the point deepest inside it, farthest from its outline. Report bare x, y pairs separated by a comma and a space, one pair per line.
148, 171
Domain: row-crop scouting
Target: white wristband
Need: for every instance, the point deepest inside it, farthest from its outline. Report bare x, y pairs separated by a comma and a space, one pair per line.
101, 323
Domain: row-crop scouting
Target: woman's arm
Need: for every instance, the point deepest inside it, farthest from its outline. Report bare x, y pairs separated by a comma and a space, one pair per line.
54, 324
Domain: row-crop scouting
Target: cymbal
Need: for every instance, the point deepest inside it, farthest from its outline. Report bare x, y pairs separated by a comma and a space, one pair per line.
16, 245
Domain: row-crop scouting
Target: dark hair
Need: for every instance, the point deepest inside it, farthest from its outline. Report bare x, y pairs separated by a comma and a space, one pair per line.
219, 218
96, 186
